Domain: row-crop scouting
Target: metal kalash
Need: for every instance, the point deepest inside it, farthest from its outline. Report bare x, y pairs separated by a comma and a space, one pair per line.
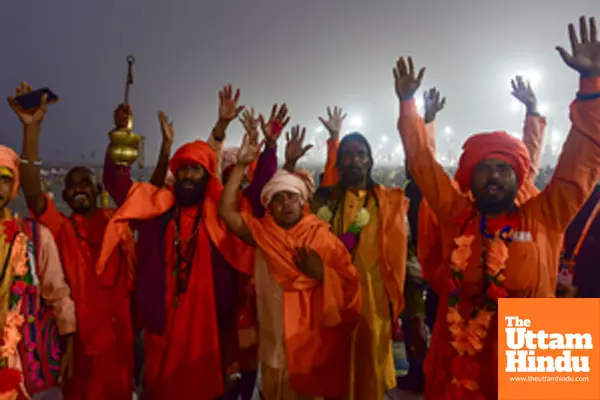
125, 146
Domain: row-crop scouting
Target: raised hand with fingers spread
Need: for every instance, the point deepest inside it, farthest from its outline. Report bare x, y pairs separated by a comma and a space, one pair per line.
334, 122
433, 104
249, 150
295, 149
276, 123
585, 50
522, 91
28, 117
250, 124
228, 104
406, 81
166, 128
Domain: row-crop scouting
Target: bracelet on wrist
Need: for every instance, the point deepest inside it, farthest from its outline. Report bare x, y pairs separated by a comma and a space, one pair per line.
588, 96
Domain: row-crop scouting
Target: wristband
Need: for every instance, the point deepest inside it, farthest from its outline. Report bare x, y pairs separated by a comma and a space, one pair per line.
588, 96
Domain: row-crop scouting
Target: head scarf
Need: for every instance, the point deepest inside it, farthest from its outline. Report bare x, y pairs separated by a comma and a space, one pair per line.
300, 182
10, 160
196, 152
499, 145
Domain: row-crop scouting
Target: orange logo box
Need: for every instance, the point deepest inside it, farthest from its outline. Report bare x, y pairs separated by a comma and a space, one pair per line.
549, 349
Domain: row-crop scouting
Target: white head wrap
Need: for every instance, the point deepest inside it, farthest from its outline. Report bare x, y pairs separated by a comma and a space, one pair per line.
300, 182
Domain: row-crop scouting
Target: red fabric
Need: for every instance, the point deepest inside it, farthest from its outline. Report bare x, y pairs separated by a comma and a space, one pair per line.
185, 362
499, 145
102, 301
107, 375
197, 152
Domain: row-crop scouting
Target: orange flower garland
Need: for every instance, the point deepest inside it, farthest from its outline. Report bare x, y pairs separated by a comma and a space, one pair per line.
468, 336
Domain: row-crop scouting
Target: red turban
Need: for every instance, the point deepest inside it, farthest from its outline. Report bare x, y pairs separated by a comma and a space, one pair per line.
196, 152
498, 145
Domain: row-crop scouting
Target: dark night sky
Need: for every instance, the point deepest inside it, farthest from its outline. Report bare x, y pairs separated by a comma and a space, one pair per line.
307, 53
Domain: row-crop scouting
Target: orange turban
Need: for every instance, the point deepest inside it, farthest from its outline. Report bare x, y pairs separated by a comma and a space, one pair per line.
498, 145
10, 160
196, 152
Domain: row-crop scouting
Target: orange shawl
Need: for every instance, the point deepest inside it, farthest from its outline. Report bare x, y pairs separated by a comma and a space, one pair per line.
145, 201
318, 318
393, 207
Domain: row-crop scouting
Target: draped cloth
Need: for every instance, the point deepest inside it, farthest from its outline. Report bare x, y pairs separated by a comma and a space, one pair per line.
318, 317
531, 268
145, 201
190, 341
430, 244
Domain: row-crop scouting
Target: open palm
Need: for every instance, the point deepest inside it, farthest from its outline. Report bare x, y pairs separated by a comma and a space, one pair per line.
228, 104
585, 49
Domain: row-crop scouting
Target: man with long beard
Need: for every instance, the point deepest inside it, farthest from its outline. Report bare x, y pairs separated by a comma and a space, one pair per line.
186, 269
501, 250
103, 350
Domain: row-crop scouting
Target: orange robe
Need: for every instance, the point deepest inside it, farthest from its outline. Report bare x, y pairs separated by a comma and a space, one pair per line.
186, 360
430, 244
104, 339
531, 268
318, 318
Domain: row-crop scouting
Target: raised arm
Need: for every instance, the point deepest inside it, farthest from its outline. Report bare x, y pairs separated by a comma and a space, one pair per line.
29, 168
433, 105
229, 210
578, 168
295, 148
267, 162
333, 124
162, 165
427, 173
228, 111
534, 126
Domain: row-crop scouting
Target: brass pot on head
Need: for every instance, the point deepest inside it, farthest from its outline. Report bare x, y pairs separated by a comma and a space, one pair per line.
124, 144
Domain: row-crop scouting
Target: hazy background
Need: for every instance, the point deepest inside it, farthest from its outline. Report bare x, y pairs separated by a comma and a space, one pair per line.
309, 54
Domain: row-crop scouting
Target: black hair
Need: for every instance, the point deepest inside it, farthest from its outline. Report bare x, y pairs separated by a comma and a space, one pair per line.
358, 137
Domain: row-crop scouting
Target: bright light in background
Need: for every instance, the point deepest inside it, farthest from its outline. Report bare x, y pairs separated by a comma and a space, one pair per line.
544, 108
532, 75
320, 129
420, 103
384, 139
448, 130
356, 122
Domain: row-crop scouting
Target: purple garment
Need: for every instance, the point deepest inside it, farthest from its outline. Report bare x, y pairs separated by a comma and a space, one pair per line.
587, 273
265, 169
117, 180
150, 288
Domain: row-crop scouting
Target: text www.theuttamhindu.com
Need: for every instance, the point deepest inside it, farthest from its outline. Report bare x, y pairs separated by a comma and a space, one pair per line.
549, 378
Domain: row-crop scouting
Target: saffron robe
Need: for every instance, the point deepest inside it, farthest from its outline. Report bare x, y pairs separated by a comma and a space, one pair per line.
183, 352
318, 317
104, 339
431, 246
380, 259
531, 269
